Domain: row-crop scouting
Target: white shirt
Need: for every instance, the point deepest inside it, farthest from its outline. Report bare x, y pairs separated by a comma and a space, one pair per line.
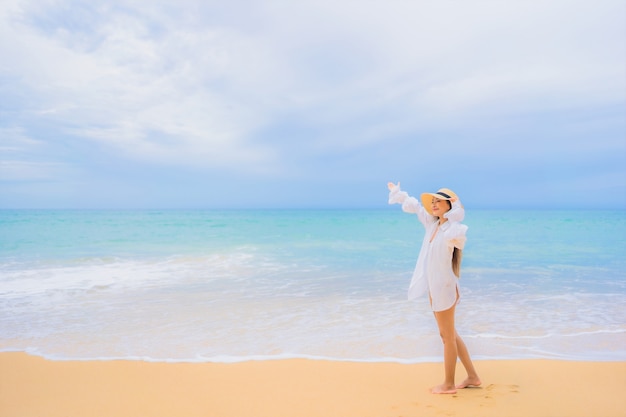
433, 271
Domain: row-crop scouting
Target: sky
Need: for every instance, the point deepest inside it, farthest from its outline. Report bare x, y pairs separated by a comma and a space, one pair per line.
311, 103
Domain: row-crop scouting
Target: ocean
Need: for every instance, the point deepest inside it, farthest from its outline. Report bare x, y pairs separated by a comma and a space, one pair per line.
236, 285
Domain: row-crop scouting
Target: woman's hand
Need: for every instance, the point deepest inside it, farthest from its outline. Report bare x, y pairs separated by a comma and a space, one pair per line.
391, 185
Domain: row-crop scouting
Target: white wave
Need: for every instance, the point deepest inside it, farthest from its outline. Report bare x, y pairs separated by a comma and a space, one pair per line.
523, 354
98, 273
542, 336
228, 358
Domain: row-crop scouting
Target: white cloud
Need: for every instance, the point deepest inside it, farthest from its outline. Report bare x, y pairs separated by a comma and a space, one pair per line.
14, 140
130, 90
15, 170
195, 83
24, 159
422, 66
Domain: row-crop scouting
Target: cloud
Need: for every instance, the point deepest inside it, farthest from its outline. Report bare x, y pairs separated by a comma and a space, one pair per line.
155, 97
14, 140
21, 158
12, 171
274, 89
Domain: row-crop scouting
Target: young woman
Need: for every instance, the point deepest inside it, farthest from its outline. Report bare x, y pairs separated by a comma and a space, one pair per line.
437, 273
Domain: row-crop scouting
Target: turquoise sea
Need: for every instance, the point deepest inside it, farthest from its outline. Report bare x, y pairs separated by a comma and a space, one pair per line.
236, 285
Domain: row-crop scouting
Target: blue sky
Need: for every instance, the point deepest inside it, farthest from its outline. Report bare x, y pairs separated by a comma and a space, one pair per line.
311, 103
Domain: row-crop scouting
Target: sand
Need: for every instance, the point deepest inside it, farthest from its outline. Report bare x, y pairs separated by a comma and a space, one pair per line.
34, 387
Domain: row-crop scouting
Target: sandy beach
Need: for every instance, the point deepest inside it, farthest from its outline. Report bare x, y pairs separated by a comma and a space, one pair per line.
33, 387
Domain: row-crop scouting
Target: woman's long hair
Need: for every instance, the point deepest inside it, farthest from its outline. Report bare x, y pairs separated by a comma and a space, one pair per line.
457, 254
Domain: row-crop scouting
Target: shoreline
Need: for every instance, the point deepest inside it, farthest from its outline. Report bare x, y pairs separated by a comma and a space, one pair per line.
32, 386
223, 359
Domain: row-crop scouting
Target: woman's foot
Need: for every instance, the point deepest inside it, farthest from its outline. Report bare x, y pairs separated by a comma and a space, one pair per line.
470, 382
443, 389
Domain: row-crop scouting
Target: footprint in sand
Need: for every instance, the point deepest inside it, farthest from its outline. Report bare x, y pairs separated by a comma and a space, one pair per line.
501, 389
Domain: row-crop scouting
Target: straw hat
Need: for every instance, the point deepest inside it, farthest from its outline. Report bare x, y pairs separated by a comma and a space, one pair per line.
442, 194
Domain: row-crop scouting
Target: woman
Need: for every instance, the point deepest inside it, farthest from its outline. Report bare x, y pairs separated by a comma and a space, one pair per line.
437, 272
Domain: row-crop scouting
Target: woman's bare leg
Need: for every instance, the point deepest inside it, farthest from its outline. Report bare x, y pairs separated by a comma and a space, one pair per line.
472, 379
445, 322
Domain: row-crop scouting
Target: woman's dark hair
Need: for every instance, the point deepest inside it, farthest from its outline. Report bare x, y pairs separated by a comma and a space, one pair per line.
457, 254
